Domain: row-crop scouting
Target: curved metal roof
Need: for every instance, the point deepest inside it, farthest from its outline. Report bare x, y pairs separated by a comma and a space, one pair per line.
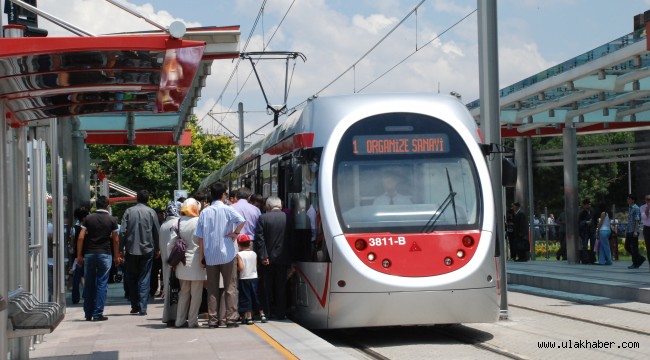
135, 89
605, 89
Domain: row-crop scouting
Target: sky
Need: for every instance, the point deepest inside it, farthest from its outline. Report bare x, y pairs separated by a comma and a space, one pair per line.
435, 49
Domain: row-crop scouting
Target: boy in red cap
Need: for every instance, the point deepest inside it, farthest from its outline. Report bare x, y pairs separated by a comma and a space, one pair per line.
248, 281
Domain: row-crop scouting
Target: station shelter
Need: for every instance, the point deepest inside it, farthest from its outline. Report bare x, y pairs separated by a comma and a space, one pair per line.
57, 95
605, 89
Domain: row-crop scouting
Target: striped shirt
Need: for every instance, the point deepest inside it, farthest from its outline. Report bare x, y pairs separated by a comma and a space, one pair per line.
633, 218
215, 222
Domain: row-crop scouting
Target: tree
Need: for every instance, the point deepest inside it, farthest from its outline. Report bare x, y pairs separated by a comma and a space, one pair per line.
154, 167
598, 182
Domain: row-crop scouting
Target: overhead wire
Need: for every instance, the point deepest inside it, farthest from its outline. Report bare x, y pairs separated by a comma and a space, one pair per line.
235, 70
263, 49
372, 48
418, 49
352, 67
232, 74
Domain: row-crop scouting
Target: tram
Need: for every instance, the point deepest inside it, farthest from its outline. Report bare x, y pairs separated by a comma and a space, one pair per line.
393, 210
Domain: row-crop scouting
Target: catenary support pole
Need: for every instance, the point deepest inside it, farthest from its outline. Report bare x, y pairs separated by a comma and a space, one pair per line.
489, 95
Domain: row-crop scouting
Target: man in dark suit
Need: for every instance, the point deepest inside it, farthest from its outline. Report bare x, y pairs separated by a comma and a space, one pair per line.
587, 221
273, 246
520, 228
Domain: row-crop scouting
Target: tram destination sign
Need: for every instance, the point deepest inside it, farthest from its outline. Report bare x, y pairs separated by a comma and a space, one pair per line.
400, 144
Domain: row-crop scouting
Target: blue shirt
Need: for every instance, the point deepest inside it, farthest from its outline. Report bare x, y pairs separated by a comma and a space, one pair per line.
633, 218
250, 213
215, 222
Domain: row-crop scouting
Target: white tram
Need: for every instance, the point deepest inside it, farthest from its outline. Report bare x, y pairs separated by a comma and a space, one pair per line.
393, 208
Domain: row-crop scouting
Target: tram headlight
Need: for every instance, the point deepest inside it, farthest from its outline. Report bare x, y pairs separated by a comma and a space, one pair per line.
448, 261
360, 244
460, 254
468, 241
385, 263
371, 256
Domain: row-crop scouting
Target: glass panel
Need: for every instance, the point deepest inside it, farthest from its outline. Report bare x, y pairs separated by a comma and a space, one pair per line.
81, 109
405, 173
406, 196
77, 78
83, 60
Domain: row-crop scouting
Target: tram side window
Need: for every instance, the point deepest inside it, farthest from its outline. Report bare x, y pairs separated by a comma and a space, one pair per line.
266, 180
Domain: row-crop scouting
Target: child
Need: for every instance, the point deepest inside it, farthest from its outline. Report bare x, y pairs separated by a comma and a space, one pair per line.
248, 280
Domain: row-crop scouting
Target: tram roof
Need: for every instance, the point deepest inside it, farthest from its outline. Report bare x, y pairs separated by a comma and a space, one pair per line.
605, 89
124, 89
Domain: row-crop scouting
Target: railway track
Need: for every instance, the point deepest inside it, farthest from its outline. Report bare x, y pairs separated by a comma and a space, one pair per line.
534, 323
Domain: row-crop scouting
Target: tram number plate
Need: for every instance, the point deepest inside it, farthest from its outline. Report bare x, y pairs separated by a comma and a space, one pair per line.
387, 241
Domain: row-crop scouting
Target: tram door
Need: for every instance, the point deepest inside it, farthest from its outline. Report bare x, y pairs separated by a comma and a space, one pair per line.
284, 174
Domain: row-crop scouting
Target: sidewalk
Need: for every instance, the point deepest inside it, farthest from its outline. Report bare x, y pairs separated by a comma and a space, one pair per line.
608, 281
125, 336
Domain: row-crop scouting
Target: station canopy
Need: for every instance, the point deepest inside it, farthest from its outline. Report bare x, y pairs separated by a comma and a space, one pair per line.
126, 89
605, 89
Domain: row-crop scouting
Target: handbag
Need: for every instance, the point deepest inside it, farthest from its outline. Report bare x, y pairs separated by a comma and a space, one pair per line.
177, 254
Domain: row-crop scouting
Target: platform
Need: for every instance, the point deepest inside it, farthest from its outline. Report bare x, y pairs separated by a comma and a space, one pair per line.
125, 336
598, 281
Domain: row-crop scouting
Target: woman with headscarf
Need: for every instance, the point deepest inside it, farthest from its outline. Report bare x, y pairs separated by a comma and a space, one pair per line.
167, 235
191, 274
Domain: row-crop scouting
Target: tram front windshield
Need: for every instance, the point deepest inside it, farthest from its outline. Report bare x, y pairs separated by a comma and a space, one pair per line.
405, 173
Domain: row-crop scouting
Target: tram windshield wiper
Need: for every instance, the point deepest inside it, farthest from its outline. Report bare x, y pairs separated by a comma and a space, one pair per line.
431, 224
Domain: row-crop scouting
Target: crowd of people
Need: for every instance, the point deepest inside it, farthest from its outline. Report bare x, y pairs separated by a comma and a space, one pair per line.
237, 255
598, 232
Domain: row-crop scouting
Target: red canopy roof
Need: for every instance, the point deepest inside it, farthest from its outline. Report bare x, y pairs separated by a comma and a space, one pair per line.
123, 78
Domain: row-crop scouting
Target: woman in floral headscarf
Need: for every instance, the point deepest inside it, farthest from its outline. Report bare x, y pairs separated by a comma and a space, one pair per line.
191, 275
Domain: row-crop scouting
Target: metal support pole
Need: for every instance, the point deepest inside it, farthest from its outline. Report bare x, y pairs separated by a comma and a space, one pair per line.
4, 248
56, 164
521, 188
547, 229
39, 246
15, 212
12, 259
286, 81
179, 168
80, 166
490, 124
65, 144
531, 195
4, 244
20, 201
240, 110
569, 141
3, 228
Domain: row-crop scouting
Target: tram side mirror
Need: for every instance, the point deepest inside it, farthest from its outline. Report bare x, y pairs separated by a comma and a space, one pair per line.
508, 172
295, 179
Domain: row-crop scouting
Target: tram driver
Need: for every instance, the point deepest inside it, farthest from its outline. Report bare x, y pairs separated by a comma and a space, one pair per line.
390, 179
